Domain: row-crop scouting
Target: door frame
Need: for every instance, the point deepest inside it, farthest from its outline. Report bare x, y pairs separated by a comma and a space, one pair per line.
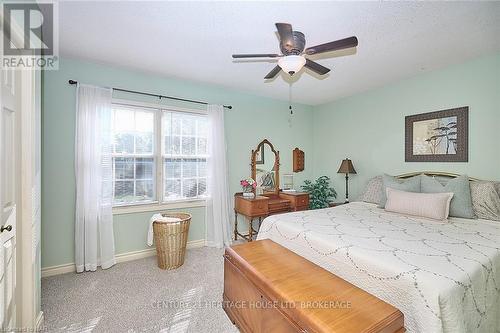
26, 238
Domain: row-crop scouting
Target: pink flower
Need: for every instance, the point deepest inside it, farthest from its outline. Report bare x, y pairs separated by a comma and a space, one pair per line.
248, 183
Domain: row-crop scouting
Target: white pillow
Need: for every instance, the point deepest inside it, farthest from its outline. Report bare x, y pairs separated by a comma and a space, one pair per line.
431, 205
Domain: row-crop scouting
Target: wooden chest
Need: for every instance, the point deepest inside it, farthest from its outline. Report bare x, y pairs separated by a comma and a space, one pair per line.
268, 288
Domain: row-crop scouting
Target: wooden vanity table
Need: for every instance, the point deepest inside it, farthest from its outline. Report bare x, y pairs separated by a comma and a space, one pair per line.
272, 201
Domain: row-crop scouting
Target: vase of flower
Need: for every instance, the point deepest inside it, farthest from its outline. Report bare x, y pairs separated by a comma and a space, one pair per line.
248, 186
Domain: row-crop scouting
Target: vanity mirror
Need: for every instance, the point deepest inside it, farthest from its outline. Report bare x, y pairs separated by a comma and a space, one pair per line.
265, 162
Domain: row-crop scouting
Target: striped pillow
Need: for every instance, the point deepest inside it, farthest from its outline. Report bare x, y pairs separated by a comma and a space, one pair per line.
431, 205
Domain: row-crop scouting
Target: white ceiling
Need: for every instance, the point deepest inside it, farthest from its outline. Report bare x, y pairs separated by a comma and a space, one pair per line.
195, 40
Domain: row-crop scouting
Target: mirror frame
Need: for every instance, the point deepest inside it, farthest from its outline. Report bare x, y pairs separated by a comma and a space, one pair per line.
276, 165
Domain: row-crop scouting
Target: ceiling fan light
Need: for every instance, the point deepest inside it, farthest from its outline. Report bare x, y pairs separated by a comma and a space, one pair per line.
292, 64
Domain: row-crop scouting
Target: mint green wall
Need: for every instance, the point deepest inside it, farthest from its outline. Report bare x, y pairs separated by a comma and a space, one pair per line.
251, 120
369, 127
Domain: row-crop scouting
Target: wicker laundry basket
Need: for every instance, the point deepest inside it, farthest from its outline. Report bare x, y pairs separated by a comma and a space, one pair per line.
170, 239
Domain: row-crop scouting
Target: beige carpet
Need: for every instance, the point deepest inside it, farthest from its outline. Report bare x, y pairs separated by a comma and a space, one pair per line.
137, 296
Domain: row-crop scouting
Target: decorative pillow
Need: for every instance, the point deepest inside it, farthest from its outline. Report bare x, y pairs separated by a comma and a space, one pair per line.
373, 191
497, 187
408, 185
431, 205
485, 200
461, 204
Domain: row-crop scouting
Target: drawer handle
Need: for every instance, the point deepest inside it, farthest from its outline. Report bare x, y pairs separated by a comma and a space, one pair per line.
8, 228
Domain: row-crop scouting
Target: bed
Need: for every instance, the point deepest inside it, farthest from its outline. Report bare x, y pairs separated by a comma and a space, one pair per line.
443, 276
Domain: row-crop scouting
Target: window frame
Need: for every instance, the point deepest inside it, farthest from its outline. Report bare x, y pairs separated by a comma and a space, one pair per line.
183, 159
136, 156
158, 156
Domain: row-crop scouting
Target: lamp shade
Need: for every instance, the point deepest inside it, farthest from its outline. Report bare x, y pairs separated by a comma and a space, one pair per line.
346, 167
292, 64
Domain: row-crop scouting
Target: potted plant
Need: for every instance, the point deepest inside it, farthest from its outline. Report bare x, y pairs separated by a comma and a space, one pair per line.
320, 192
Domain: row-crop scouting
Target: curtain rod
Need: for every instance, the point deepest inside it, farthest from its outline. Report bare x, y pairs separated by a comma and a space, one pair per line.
159, 96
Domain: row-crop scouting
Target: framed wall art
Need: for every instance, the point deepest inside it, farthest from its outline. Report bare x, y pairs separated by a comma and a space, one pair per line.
441, 136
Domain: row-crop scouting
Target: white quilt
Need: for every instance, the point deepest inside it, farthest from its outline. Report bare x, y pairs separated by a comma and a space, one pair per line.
443, 276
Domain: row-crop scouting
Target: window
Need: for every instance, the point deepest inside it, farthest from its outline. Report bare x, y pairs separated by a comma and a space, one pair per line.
158, 155
184, 155
133, 155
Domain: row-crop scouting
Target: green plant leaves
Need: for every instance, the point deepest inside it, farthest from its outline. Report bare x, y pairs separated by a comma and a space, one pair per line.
320, 192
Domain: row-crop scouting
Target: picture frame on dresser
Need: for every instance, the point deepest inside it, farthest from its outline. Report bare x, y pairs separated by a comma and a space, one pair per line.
259, 155
440, 136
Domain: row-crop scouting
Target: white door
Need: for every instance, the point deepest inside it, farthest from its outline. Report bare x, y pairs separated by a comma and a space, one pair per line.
9, 110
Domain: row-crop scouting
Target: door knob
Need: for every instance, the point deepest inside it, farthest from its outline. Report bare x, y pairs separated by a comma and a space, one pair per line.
8, 228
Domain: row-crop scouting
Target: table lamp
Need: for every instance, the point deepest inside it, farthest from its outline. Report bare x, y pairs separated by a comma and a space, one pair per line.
347, 168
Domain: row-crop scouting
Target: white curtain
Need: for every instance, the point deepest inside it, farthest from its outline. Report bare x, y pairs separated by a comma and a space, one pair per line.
218, 226
94, 241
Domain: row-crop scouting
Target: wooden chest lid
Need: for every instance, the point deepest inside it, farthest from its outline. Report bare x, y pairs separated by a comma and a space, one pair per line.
323, 302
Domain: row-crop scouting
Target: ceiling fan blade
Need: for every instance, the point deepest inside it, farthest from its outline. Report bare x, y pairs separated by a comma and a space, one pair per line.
273, 73
315, 67
258, 55
333, 46
286, 34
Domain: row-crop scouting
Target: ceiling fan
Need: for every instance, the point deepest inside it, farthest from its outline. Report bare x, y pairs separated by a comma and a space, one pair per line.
292, 59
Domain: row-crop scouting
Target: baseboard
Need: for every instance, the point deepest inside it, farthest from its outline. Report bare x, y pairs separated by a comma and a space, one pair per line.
122, 257
39, 322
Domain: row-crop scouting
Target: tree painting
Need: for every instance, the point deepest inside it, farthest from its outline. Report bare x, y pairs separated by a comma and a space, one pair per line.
435, 136
438, 136
448, 133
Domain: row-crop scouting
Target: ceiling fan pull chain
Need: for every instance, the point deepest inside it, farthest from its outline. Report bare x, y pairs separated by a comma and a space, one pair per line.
290, 118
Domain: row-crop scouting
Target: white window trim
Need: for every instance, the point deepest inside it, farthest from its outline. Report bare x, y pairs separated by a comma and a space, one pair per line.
158, 204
